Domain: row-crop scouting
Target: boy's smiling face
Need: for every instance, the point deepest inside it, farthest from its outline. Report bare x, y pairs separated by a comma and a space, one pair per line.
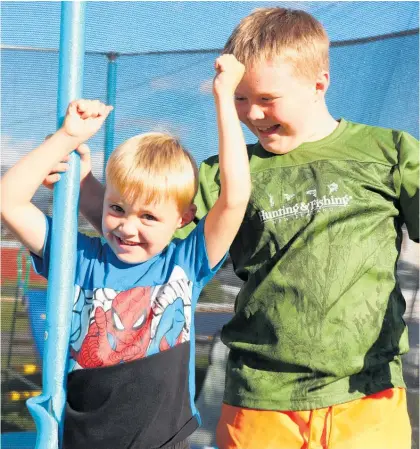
278, 106
137, 231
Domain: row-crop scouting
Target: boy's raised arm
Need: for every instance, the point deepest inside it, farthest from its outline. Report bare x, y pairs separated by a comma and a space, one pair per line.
225, 217
91, 190
19, 184
91, 200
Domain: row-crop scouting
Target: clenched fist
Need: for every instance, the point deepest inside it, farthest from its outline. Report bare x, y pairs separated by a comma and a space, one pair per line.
84, 118
229, 72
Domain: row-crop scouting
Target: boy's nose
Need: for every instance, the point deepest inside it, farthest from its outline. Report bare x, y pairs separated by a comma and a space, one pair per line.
255, 112
128, 229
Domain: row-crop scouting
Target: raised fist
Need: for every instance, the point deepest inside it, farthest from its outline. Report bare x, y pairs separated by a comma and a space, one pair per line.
229, 72
84, 118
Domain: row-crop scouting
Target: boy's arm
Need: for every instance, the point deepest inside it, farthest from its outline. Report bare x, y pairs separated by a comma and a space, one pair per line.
91, 201
19, 184
205, 197
91, 194
225, 217
91, 190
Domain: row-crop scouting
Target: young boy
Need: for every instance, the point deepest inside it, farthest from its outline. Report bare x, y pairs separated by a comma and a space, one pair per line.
131, 375
317, 334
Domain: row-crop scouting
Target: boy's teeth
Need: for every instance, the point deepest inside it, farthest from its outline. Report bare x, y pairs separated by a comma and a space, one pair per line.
267, 128
126, 242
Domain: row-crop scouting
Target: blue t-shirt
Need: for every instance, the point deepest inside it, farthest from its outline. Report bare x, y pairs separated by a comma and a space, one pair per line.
131, 381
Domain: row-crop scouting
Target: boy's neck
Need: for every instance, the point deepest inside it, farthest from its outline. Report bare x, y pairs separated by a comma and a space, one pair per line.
319, 125
322, 126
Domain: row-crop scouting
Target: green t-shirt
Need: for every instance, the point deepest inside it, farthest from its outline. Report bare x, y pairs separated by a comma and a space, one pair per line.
318, 320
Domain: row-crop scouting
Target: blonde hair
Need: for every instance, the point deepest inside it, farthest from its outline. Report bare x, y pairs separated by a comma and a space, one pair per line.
153, 166
293, 35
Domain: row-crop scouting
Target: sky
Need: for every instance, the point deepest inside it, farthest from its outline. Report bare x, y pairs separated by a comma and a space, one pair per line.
376, 83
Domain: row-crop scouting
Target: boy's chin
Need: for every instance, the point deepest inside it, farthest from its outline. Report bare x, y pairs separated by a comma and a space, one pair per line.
132, 257
137, 256
280, 145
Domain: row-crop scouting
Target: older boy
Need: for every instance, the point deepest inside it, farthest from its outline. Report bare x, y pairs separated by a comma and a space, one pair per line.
131, 375
317, 334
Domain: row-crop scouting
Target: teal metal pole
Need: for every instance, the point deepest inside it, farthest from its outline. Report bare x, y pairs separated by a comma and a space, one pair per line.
48, 408
111, 90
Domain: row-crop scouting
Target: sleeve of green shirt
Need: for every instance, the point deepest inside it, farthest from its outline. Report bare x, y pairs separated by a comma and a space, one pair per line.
408, 148
207, 194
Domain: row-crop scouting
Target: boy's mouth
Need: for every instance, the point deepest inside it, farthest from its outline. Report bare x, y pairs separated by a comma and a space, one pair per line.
267, 130
126, 242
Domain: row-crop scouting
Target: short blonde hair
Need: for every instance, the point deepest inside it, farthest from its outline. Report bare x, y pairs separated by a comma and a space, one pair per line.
153, 166
293, 35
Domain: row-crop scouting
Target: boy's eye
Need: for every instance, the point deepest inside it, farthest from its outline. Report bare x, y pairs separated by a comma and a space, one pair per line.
239, 98
149, 217
116, 208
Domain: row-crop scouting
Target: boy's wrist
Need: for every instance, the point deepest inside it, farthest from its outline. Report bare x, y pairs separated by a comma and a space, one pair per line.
222, 97
69, 140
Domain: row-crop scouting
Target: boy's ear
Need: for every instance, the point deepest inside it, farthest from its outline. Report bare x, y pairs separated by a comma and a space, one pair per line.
322, 83
188, 215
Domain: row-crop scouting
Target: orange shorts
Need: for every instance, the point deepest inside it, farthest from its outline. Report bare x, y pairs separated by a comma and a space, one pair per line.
379, 421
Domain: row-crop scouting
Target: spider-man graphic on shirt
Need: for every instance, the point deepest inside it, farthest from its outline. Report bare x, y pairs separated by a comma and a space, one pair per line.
139, 322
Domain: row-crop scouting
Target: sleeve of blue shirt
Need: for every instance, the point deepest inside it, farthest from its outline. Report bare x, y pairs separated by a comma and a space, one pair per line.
86, 248
192, 252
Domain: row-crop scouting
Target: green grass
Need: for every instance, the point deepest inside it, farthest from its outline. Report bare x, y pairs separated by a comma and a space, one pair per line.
8, 290
212, 293
21, 418
15, 414
201, 361
22, 327
7, 309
